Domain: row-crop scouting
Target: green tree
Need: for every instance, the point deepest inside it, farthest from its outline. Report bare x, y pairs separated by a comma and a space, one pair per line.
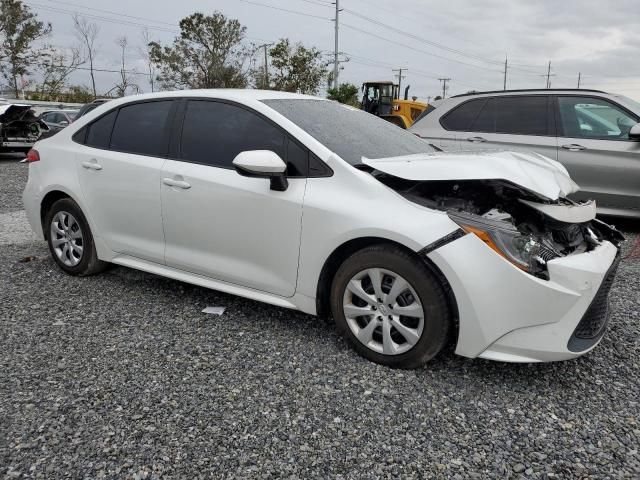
207, 54
19, 28
345, 93
297, 69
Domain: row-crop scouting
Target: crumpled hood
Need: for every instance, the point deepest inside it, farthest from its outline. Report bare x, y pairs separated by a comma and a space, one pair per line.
531, 171
12, 112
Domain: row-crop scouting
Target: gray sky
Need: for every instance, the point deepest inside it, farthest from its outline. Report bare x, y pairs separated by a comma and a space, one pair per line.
465, 40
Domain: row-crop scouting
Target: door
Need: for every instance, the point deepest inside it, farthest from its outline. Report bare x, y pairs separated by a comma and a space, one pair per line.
516, 123
223, 225
119, 169
595, 147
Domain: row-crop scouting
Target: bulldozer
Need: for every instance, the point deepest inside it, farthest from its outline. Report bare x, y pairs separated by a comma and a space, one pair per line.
382, 99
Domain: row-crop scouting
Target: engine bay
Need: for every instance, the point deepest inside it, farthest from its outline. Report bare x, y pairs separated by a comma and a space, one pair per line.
514, 213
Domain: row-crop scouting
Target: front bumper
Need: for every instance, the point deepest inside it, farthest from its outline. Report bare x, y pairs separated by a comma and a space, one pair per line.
508, 315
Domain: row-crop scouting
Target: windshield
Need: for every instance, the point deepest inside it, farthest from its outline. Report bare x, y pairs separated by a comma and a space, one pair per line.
635, 106
349, 132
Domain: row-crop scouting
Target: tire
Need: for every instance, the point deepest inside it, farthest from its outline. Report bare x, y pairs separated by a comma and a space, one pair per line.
65, 224
415, 340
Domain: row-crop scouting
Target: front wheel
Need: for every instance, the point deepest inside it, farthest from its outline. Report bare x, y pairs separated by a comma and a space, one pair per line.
390, 307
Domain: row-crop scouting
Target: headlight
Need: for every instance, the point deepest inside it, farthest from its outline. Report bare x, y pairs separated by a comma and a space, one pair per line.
505, 239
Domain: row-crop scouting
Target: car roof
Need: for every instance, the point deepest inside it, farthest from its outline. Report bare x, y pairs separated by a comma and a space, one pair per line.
223, 93
529, 90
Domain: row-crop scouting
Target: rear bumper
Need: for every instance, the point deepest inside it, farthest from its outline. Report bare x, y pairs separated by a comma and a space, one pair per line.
32, 199
509, 315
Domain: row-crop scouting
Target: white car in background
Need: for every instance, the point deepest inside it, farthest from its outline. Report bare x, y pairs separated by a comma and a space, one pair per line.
309, 204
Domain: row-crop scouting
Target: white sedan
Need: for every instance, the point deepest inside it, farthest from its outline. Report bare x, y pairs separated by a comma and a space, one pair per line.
309, 204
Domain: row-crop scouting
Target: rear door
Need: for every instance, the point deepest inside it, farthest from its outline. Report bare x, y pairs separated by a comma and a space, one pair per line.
223, 225
119, 169
516, 123
595, 147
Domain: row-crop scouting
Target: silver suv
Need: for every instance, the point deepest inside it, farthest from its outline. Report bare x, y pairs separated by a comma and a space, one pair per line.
596, 135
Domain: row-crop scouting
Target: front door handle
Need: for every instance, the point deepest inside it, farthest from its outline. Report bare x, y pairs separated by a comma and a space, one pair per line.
171, 182
92, 165
476, 139
574, 147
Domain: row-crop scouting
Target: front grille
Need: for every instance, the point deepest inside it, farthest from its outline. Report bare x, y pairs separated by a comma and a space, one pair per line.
594, 322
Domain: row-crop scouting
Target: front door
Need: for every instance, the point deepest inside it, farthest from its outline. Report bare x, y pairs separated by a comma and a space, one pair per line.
223, 225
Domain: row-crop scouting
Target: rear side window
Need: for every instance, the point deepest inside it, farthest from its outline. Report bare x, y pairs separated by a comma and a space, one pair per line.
99, 132
461, 118
213, 133
141, 128
514, 115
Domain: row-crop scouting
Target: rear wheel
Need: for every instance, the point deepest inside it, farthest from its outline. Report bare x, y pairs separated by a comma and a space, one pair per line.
70, 239
390, 307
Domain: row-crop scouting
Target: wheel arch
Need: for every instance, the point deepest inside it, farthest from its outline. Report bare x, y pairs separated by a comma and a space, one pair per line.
47, 202
348, 248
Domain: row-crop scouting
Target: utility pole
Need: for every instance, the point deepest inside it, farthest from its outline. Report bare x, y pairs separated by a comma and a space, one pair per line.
336, 62
549, 76
579, 76
400, 77
505, 74
444, 85
265, 80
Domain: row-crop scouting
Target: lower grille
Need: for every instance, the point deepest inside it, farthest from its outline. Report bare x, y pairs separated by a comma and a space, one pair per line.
594, 322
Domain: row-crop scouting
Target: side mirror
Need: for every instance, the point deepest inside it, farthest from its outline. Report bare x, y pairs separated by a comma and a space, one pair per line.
263, 164
64, 123
634, 133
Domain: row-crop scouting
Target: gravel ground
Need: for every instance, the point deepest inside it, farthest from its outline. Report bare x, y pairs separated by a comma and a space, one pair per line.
13, 175
121, 376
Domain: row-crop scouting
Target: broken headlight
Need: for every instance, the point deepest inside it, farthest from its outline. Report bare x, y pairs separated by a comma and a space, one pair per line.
522, 250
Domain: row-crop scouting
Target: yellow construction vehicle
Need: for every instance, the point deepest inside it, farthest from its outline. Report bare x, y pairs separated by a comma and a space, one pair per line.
382, 99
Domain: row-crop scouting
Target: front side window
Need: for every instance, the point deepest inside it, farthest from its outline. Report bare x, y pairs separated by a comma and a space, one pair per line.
141, 128
596, 118
213, 133
526, 115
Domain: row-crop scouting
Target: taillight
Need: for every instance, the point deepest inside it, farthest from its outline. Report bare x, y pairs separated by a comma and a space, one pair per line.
33, 156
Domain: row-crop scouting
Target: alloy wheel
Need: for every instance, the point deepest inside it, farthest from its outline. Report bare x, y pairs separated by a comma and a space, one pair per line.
383, 311
66, 238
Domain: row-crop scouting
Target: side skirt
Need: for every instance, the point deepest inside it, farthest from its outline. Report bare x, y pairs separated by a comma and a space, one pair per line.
297, 302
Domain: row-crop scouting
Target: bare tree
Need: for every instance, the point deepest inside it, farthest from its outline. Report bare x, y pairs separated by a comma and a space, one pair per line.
87, 33
145, 54
125, 84
56, 67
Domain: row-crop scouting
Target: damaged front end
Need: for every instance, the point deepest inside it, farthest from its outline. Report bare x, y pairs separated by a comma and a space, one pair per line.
524, 227
19, 127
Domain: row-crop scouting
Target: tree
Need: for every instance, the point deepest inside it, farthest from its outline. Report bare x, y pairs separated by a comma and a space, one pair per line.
19, 29
345, 93
145, 54
56, 67
207, 54
297, 69
87, 33
125, 84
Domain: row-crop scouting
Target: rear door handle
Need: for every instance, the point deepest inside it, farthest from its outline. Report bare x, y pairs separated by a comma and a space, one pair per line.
476, 139
171, 182
92, 165
574, 147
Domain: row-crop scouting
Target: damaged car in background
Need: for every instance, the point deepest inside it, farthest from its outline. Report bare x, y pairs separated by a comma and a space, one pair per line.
20, 128
320, 207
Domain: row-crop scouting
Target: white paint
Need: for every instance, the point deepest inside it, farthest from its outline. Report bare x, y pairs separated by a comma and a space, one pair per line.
534, 172
579, 213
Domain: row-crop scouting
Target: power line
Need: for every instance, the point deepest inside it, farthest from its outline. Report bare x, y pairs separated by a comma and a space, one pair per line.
295, 12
